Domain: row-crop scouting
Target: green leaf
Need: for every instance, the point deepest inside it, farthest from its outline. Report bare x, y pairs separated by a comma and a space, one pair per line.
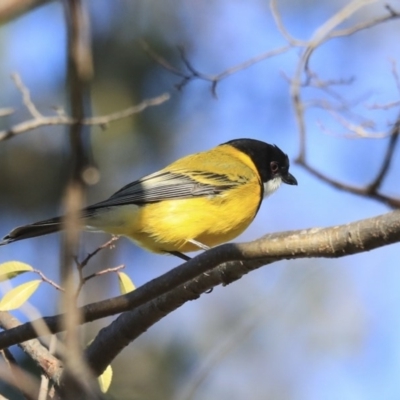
11, 269
16, 297
105, 379
125, 283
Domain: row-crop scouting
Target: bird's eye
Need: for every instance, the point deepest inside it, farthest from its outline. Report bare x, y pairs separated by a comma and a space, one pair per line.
274, 166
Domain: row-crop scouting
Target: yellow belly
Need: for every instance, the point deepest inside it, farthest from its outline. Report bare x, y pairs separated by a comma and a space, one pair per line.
168, 225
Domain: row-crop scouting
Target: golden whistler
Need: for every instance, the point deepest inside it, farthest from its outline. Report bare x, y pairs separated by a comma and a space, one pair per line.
197, 202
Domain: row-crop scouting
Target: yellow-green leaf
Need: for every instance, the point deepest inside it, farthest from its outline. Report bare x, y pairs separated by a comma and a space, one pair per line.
11, 269
16, 297
105, 379
125, 283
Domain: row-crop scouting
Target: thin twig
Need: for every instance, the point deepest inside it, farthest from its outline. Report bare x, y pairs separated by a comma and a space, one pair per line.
385, 106
104, 272
109, 244
282, 28
324, 33
47, 280
82, 264
387, 160
361, 191
44, 387
40, 120
26, 96
193, 73
159, 59
393, 14
370, 190
5, 112
44, 390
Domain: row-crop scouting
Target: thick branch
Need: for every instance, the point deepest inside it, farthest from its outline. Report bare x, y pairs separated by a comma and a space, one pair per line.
330, 242
38, 353
337, 241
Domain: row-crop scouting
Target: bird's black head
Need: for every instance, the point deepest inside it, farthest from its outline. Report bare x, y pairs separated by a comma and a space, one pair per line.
270, 161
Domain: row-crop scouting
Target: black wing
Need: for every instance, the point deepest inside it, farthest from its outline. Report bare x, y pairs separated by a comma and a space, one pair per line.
162, 185
166, 185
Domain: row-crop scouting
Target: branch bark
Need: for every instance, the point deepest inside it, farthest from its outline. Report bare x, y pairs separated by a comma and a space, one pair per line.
37, 352
187, 281
331, 242
76, 381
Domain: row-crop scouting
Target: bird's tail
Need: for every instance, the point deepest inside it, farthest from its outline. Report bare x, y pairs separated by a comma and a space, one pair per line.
29, 231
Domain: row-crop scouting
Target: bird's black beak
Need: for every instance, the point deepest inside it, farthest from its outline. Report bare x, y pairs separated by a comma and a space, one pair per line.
289, 179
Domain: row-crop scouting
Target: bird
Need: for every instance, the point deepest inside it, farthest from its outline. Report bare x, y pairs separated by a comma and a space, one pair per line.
197, 202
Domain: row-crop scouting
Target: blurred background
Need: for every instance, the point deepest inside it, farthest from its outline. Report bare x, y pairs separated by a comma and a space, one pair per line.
305, 329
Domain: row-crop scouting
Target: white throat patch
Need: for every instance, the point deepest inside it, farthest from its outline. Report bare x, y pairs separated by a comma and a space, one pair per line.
271, 186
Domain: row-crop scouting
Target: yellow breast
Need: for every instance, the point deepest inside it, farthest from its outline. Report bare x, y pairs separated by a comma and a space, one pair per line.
167, 225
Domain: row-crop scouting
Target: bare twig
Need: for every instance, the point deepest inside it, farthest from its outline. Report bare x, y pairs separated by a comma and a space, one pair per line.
47, 280
392, 14
104, 272
26, 97
39, 120
4, 112
385, 106
387, 160
193, 73
370, 190
281, 26
324, 33
357, 130
159, 59
395, 74
94, 121
82, 264
45, 391
249, 63
109, 244
361, 191
44, 387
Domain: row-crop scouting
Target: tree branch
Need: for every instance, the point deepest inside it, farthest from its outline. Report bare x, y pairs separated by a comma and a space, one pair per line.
76, 381
332, 242
39, 120
36, 351
192, 73
370, 190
